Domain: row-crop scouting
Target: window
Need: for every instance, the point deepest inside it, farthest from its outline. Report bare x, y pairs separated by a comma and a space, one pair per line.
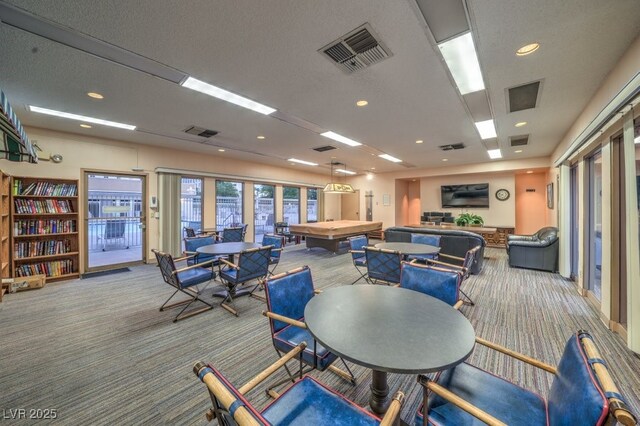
264, 210
291, 204
312, 204
228, 204
191, 203
594, 221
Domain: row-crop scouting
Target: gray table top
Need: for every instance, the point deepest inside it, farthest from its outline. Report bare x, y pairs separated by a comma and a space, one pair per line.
409, 248
226, 248
390, 329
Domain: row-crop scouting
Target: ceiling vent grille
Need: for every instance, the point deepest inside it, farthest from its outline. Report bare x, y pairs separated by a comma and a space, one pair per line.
357, 50
451, 146
523, 97
201, 131
324, 148
519, 140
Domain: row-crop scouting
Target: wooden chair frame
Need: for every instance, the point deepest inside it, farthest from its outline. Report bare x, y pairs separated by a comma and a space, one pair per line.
617, 407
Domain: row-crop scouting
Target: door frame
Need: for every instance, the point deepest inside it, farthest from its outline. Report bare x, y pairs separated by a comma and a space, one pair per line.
144, 220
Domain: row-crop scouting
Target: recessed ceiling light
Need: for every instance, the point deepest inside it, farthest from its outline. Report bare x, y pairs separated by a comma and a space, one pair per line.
225, 95
346, 172
362, 103
95, 95
462, 60
369, 176
521, 123
308, 163
390, 158
260, 137
373, 168
340, 138
220, 150
494, 153
486, 129
85, 126
529, 172
518, 151
81, 118
445, 159
528, 49
419, 141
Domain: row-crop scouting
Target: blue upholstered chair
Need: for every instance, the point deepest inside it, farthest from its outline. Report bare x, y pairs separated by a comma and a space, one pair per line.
443, 284
185, 280
305, 402
431, 240
383, 265
287, 295
277, 243
356, 248
252, 265
582, 393
462, 264
232, 235
192, 244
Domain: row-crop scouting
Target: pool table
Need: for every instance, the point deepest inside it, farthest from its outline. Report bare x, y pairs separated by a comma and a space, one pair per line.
328, 235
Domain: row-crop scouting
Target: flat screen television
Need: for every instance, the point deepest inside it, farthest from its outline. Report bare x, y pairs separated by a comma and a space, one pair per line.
470, 195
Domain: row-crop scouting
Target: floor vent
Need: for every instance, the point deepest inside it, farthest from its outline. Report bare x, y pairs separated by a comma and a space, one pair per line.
201, 131
519, 140
324, 148
523, 97
357, 50
451, 146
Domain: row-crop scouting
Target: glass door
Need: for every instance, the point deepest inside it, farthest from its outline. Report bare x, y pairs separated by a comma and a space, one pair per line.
114, 220
291, 205
264, 210
575, 226
594, 223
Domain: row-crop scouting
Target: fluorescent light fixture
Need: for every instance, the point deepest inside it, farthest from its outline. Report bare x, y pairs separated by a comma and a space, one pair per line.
340, 138
346, 172
521, 123
225, 95
486, 129
494, 153
390, 158
81, 118
308, 163
419, 141
460, 55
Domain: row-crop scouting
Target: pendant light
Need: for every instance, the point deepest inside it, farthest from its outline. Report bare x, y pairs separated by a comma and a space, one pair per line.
337, 188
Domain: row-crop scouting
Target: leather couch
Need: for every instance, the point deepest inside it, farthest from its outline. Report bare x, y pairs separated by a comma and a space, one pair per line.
452, 242
537, 251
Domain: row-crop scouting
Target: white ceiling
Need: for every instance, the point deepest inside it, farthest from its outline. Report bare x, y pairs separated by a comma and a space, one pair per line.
267, 51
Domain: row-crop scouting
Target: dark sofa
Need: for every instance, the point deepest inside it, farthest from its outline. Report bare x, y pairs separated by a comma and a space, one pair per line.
452, 242
536, 251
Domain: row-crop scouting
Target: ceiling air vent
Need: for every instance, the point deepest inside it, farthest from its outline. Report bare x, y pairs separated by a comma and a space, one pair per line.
519, 140
201, 131
324, 148
356, 50
451, 146
523, 97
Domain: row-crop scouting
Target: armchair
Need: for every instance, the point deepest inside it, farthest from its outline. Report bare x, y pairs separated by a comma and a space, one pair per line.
582, 392
252, 264
287, 295
306, 402
183, 280
356, 248
232, 235
383, 265
428, 239
466, 264
441, 283
536, 251
277, 243
192, 244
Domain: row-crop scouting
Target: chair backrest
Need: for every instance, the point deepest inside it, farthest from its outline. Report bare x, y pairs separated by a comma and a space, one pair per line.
235, 403
358, 242
233, 235
189, 232
288, 294
441, 283
276, 242
432, 240
383, 264
191, 244
469, 260
578, 395
167, 266
253, 263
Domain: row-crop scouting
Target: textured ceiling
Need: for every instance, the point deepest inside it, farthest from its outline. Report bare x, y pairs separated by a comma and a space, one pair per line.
267, 51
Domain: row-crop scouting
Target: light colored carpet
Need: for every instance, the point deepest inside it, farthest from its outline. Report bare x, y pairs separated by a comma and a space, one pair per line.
99, 351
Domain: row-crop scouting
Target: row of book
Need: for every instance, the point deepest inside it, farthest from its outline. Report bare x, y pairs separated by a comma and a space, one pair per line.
42, 206
45, 188
50, 269
43, 227
41, 248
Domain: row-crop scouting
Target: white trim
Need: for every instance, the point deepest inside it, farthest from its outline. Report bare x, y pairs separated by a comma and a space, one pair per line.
235, 177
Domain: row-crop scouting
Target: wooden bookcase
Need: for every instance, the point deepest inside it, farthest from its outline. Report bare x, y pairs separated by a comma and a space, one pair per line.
5, 227
45, 223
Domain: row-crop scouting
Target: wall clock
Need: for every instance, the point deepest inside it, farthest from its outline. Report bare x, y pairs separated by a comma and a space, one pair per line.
502, 194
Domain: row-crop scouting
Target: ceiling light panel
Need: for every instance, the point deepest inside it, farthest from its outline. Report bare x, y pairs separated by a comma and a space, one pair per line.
340, 138
494, 154
306, 163
225, 95
347, 172
81, 118
487, 129
460, 55
390, 158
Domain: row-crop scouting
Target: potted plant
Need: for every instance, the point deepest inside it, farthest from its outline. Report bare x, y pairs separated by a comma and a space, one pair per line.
469, 219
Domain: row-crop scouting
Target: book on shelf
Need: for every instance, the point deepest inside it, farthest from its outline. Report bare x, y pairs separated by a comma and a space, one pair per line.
25, 249
43, 226
50, 269
42, 188
27, 206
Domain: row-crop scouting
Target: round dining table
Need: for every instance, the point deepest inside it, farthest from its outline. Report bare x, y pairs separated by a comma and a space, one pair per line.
228, 249
410, 248
390, 330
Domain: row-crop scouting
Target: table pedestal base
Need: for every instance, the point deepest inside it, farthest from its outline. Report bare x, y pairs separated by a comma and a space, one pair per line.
379, 401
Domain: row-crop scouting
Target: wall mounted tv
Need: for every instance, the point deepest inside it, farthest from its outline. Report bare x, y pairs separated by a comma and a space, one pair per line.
471, 195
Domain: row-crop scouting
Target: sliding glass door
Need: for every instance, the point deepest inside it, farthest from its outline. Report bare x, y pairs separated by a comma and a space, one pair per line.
191, 203
594, 224
264, 210
291, 205
575, 225
229, 207
312, 204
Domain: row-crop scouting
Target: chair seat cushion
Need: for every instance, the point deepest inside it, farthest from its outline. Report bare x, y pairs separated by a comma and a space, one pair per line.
502, 399
229, 274
195, 276
308, 402
290, 336
360, 262
422, 257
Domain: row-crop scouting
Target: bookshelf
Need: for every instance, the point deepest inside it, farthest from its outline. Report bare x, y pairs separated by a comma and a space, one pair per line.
5, 226
44, 222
